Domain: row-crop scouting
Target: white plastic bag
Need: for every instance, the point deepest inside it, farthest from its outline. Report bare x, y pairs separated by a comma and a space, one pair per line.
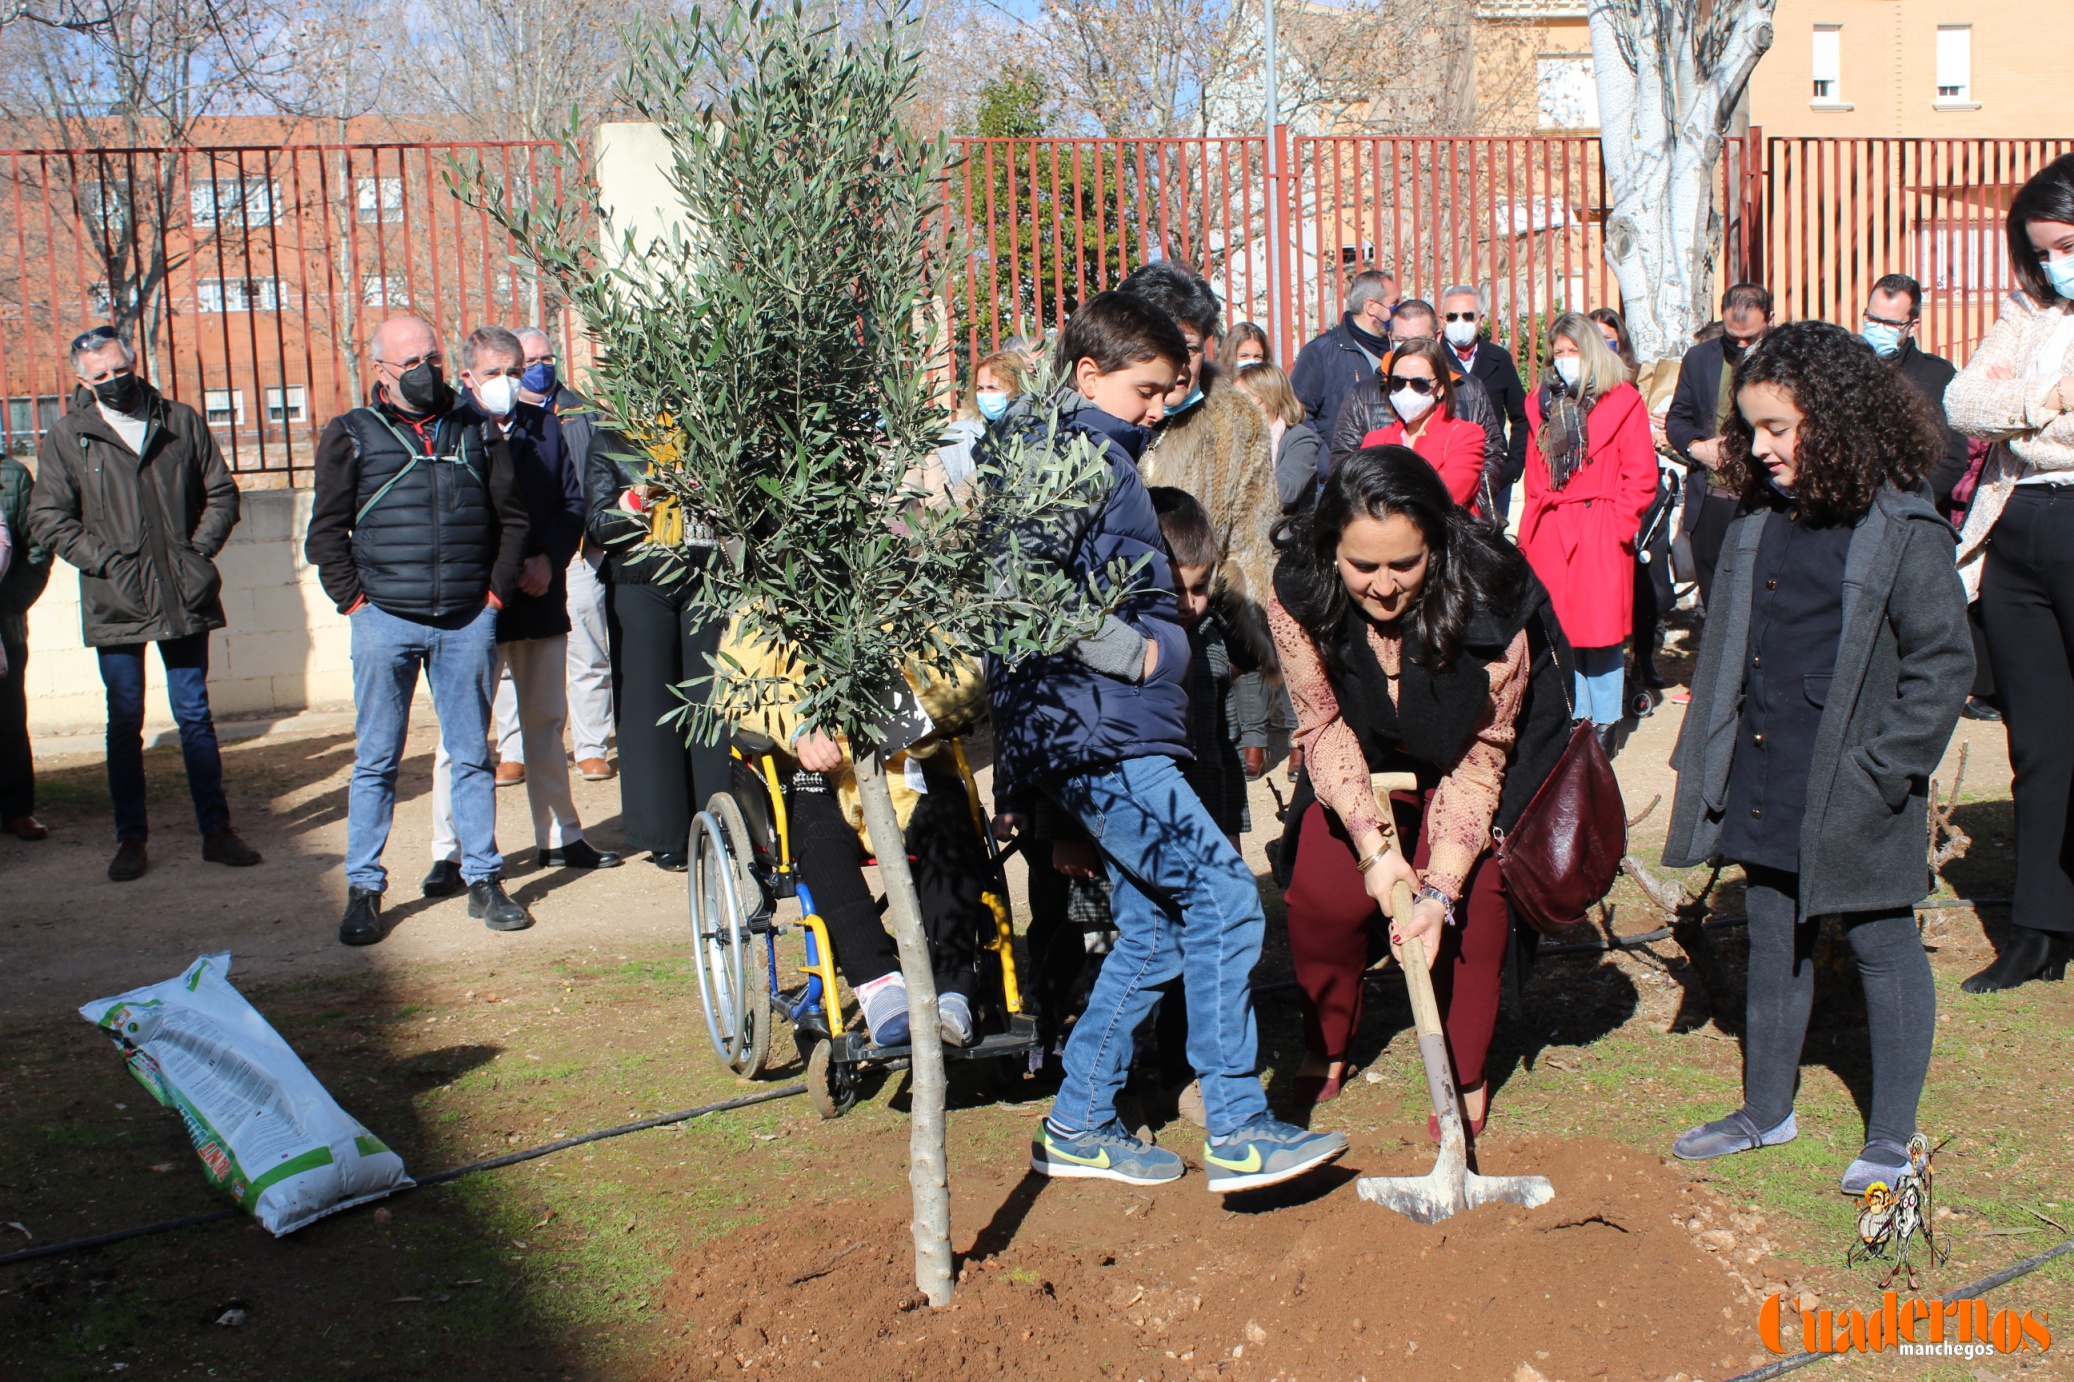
268, 1134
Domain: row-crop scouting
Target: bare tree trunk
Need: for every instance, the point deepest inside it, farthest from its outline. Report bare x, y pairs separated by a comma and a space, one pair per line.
1670, 76
928, 1166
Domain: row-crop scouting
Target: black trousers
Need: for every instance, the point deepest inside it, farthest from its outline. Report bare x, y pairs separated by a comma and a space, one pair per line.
2027, 612
17, 767
945, 854
663, 780
1709, 530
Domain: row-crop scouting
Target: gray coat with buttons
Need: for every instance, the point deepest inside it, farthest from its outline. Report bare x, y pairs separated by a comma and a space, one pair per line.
1904, 664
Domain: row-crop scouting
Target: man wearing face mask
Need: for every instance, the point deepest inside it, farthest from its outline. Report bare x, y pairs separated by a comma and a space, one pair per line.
1463, 316
533, 626
1700, 407
1338, 358
131, 489
418, 533
1892, 313
1368, 409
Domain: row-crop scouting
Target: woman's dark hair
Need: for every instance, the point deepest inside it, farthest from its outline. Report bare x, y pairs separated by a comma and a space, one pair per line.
1468, 568
2049, 196
1862, 423
1117, 330
1178, 291
1625, 347
1436, 359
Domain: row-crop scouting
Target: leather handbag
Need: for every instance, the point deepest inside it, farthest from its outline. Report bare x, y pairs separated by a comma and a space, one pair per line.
1563, 852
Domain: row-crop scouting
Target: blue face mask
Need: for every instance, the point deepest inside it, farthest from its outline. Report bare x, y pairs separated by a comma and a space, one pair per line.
992, 403
1195, 397
1884, 339
2061, 272
539, 378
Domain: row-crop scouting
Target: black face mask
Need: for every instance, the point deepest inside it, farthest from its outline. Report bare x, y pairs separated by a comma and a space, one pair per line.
123, 392
421, 389
1733, 351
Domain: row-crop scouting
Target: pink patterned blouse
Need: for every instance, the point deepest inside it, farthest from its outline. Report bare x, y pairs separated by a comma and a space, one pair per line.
1459, 820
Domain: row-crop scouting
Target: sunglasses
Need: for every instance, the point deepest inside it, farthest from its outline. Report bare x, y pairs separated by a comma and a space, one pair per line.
1417, 386
1461, 316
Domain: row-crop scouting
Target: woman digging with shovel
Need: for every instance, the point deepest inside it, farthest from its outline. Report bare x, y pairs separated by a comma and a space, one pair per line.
1414, 642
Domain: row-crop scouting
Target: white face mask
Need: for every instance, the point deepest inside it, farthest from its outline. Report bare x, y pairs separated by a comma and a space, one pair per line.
1410, 406
1460, 333
497, 395
1568, 366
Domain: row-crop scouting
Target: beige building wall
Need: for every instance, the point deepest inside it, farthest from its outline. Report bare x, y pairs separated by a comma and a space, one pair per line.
1887, 61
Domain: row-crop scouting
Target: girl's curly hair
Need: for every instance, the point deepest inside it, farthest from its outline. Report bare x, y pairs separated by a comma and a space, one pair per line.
1863, 424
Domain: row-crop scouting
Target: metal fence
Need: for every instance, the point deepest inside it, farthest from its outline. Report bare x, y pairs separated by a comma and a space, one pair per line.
250, 277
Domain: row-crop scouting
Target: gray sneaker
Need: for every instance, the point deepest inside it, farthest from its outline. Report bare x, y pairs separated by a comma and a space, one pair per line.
1268, 1152
1109, 1153
1736, 1133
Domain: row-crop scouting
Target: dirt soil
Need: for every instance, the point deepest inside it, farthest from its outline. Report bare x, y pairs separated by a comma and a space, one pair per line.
1072, 1280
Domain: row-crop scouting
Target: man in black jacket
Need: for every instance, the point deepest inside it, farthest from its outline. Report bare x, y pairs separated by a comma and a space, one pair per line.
131, 489
1330, 365
419, 535
1368, 409
1699, 407
27, 573
1462, 320
533, 627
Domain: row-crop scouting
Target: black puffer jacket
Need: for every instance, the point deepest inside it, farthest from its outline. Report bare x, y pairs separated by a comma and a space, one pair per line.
420, 518
1368, 409
142, 529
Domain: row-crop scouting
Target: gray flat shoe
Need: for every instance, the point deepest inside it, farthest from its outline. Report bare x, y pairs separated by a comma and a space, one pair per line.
1736, 1133
1881, 1161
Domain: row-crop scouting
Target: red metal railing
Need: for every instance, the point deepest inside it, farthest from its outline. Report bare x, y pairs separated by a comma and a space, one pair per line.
249, 278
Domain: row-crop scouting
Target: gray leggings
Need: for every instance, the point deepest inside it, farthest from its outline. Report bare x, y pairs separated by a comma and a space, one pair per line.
1900, 1005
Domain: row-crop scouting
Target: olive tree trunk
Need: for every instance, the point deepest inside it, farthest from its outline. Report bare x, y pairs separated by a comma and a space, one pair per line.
928, 1166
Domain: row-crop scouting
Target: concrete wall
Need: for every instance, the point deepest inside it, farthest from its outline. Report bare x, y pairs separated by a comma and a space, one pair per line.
283, 650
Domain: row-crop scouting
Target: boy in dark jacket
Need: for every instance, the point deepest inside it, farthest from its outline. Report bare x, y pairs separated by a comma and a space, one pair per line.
1101, 727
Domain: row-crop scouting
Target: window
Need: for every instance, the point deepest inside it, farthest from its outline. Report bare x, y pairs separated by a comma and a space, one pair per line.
237, 295
224, 407
378, 199
286, 405
233, 202
1829, 65
1955, 64
377, 291
1566, 91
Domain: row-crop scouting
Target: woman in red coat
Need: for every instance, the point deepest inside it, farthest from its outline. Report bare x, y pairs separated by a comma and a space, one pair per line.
1591, 475
1421, 390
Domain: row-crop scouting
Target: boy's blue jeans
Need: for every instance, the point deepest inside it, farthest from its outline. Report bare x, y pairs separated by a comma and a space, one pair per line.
1184, 904
460, 666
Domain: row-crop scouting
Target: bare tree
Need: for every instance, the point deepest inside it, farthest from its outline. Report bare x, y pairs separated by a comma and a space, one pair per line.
1670, 74
520, 69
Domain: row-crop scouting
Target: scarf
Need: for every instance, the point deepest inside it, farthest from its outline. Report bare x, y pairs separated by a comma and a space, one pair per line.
1376, 346
1562, 432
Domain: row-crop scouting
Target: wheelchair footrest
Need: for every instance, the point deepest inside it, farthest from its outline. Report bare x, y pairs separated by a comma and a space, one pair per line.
1021, 1036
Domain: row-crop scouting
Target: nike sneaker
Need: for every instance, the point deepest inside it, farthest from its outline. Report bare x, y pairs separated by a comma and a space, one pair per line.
1267, 1152
1109, 1153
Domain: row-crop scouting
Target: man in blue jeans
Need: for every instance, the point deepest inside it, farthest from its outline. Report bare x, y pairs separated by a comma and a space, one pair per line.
1100, 726
418, 533
131, 489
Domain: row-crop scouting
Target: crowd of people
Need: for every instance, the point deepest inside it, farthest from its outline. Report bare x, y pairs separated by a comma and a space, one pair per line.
1873, 537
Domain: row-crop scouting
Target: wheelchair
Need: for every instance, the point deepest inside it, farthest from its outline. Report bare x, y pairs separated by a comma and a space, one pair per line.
741, 868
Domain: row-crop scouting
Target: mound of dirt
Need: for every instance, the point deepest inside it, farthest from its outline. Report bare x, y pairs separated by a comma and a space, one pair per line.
1071, 1280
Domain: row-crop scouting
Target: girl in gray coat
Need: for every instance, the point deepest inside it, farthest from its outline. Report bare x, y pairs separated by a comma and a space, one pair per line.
1835, 661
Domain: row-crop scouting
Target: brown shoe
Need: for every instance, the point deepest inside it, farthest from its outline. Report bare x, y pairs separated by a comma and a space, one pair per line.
1255, 761
129, 862
1295, 762
510, 774
27, 828
224, 847
594, 769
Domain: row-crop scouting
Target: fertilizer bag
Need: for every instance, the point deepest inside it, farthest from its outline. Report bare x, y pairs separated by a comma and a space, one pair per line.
268, 1134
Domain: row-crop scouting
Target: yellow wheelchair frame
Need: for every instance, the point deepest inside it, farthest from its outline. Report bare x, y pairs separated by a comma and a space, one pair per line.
740, 869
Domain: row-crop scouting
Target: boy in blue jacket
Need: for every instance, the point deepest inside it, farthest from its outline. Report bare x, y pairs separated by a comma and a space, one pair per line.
1101, 727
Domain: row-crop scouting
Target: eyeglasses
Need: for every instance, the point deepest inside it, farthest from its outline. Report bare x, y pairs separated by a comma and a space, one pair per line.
1461, 316
430, 357
1422, 386
1883, 321
95, 339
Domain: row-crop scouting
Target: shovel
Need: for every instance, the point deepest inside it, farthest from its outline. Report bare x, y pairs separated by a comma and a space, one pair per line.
1451, 1187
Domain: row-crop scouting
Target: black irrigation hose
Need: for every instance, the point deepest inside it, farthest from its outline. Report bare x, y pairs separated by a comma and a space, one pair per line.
1968, 1292
1644, 937
436, 1178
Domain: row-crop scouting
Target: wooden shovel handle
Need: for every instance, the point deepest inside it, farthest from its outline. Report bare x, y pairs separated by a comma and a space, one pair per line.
1425, 1010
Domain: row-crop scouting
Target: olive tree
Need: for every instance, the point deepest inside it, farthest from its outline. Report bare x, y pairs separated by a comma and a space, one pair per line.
775, 354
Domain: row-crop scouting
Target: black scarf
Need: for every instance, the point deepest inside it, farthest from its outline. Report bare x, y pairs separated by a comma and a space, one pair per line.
1378, 346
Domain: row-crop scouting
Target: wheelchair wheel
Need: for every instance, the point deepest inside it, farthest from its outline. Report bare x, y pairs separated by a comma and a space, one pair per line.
731, 984
831, 1088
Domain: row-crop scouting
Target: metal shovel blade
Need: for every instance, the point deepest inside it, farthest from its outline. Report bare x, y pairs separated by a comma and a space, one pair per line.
1451, 1186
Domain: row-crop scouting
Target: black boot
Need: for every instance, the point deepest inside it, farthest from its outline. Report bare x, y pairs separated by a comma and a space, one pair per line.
444, 879
487, 900
578, 854
363, 920
2025, 956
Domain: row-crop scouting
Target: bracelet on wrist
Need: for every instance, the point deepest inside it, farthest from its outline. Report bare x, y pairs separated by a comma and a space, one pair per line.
1429, 893
1364, 865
